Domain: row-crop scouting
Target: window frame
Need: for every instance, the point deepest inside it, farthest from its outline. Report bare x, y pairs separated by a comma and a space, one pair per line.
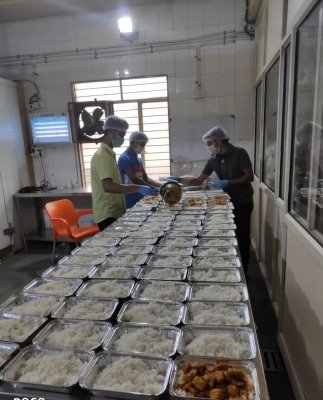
139, 101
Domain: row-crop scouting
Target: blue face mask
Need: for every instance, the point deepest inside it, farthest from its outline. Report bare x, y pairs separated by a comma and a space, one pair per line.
118, 141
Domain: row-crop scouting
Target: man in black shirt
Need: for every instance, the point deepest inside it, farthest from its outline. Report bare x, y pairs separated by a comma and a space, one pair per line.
234, 170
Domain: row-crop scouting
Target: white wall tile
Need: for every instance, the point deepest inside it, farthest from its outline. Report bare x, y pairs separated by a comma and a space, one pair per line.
211, 14
165, 17
180, 14
226, 105
226, 70
226, 84
195, 14
226, 10
226, 60
243, 82
244, 128
244, 56
212, 85
212, 106
243, 105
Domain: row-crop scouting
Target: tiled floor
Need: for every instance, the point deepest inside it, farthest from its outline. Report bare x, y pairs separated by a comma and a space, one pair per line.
18, 269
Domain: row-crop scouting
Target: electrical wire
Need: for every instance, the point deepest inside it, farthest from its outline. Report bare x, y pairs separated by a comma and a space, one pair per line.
216, 38
44, 182
34, 97
4, 199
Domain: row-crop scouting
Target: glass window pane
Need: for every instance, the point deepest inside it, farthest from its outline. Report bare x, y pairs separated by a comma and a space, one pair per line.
270, 125
302, 131
283, 156
257, 127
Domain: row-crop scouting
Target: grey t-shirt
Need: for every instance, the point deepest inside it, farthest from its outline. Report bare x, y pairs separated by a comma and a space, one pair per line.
228, 166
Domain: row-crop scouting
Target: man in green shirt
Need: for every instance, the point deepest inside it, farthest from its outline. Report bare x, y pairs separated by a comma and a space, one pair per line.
107, 191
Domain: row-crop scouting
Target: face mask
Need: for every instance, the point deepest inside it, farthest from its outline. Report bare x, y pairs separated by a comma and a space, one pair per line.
213, 149
118, 141
139, 149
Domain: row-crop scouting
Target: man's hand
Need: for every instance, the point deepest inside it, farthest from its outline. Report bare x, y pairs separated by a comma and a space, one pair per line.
172, 178
220, 184
146, 190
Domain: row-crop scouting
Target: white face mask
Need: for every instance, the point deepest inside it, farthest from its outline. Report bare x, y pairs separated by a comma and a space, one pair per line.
139, 149
213, 149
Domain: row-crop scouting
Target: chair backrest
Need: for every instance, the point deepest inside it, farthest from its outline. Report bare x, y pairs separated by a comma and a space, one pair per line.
62, 209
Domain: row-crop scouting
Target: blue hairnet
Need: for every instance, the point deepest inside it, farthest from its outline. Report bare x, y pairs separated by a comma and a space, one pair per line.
215, 133
137, 135
115, 122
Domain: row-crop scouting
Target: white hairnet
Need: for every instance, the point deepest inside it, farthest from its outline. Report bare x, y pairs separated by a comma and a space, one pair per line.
115, 122
215, 133
137, 135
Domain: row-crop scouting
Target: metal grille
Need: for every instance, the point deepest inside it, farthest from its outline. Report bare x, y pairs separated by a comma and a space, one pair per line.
272, 360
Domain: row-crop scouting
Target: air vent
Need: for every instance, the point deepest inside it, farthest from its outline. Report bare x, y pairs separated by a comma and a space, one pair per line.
272, 360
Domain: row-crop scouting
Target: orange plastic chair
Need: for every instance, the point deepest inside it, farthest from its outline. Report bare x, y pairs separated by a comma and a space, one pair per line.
64, 218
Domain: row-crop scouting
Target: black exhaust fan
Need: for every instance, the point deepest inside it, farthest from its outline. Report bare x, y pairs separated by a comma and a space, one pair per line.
87, 119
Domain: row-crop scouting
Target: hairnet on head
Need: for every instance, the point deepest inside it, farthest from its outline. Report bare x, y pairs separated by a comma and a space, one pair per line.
115, 122
215, 133
137, 135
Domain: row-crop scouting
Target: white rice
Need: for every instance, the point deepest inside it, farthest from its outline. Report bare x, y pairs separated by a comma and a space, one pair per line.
116, 272
129, 375
70, 272
216, 293
219, 262
106, 289
216, 251
41, 306
218, 345
214, 274
145, 340
17, 330
126, 260
58, 369
171, 261
81, 260
88, 309
179, 241
82, 335
214, 314
151, 313
61, 287
217, 232
133, 250
172, 248
215, 242
164, 273
163, 291
95, 251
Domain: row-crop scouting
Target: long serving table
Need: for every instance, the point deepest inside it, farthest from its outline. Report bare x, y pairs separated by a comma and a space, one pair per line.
143, 222
30, 210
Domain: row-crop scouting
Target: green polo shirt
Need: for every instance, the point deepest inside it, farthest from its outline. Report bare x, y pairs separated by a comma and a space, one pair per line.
104, 165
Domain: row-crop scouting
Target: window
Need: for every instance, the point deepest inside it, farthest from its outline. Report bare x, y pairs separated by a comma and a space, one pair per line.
306, 192
258, 128
270, 125
50, 129
283, 156
143, 102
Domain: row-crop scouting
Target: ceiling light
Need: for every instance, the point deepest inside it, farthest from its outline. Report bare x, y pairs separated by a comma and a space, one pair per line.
126, 29
125, 25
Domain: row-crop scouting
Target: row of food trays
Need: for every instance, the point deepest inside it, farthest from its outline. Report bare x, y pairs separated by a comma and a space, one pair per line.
103, 322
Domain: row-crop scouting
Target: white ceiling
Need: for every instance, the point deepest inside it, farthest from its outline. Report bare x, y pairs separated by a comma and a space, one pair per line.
18, 10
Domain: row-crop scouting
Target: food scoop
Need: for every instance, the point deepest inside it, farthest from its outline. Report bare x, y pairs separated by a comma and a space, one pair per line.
171, 192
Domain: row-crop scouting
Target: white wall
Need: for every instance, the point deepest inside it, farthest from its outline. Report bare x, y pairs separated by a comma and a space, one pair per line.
226, 70
13, 167
294, 267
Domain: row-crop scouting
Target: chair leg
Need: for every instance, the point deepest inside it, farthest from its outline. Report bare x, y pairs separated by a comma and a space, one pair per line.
54, 248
